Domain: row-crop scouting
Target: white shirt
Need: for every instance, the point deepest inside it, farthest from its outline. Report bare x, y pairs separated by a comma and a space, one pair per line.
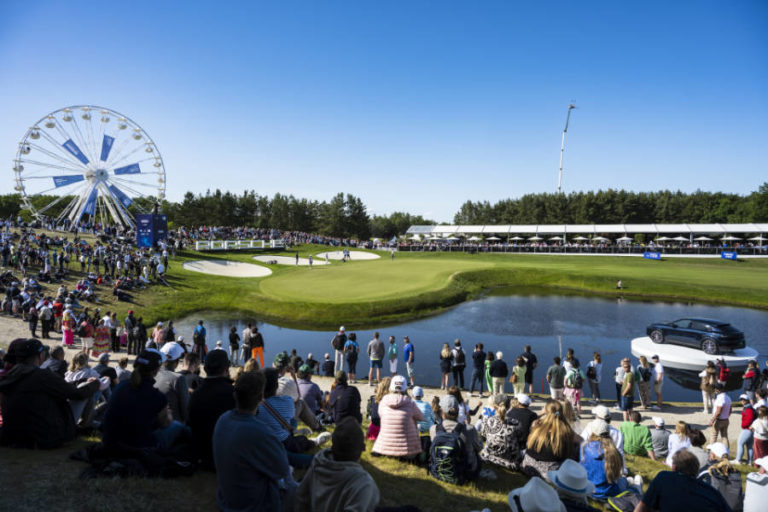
616, 435
598, 369
724, 401
620, 373
658, 372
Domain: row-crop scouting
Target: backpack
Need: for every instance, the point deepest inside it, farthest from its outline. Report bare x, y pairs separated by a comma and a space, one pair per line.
461, 358
729, 487
576, 380
624, 501
338, 342
591, 373
448, 456
645, 373
197, 338
81, 331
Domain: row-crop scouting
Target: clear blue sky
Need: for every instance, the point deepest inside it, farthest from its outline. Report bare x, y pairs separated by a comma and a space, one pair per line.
410, 105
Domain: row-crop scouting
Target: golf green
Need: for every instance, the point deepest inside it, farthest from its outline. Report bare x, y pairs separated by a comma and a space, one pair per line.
416, 284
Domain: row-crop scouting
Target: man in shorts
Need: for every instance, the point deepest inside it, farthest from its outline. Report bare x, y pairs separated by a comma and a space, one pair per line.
556, 380
408, 355
627, 389
376, 355
658, 381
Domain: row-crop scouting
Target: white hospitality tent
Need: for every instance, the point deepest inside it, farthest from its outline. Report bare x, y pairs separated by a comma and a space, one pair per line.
594, 229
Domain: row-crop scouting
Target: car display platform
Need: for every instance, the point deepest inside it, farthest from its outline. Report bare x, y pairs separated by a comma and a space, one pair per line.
687, 358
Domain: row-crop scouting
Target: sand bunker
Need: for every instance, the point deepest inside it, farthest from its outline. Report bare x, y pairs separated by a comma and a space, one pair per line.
226, 268
288, 260
353, 255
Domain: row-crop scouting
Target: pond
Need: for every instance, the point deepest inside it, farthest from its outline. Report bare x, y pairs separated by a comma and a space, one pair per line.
550, 324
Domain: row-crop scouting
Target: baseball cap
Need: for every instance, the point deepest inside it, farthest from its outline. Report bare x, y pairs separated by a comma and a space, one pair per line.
285, 387
743, 396
655, 356
305, 368
418, 392
172, 351
281, 360
150, 357
130, 311
159, 324
600, 428
523, 399
602, 412
658, 421
762, 462
719, 449
398, 383
341, 329
103, 358
449, 402
22, 348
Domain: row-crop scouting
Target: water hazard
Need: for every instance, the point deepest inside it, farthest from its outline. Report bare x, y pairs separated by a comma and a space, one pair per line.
550, 324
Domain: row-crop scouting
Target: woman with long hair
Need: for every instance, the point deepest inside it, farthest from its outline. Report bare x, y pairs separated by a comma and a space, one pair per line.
550, 443
373, 409
465, 413
445, 366
760, 428
502, 437
680, 439
68, 329
604, 464
593, 376
708, 380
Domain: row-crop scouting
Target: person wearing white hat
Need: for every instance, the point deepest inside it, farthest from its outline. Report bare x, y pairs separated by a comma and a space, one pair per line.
722, 476
173, 385
603, 414
535, 496
746, 437
756, 491
572, 485
659, 438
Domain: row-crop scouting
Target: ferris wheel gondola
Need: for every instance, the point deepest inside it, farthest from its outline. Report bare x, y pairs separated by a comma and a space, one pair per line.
87, 163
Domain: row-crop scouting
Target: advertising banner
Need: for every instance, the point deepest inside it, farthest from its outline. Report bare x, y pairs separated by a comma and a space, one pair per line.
161, 227
121, 196
90, 204
729, 255
145, 229
75, 151
652, 255
128, 169
106, 147
63, 181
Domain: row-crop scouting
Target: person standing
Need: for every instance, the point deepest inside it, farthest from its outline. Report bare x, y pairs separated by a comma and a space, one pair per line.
658, 381
458, 364
198, 339
245, 350
128, 324
708, 380
574, 382
499, 372
643, 376
375, 354
530, 364
478, 368
445, 366
746, 436
488, 379
627, 389
618, 378
257, 345
720, 419
392, 355
409, 356
556, 380
234, 345
351, 351
337, 343
594, 371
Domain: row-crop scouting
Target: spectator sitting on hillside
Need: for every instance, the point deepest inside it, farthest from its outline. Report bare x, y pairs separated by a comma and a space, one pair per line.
374, 427
602, 414
550, 443
35, 410
310, 392
190, 369
399, 436
449, 413
520, 412
122, 371
572, 486
660, 438
603, 464
679, 490
287, 386
344, 400
502, 437
208, 403
637, 437
250, 463
56, 362
335, 480
173, 385
328, 366
720, 474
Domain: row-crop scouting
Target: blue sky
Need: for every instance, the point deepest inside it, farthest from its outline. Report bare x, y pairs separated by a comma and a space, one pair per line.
410, 105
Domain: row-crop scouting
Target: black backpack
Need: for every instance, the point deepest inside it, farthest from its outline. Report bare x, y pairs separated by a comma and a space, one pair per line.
448, 456
645, 373
591, 373
338, 342
461, 358
729, 487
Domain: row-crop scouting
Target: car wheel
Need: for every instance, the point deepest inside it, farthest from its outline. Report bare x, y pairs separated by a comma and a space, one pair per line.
709, 346
657, 336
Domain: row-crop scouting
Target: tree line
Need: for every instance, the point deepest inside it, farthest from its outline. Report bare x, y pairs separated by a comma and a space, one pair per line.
346, 216
620, 207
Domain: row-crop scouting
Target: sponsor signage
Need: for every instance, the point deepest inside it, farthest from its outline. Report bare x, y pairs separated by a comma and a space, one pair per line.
63, 181
649, 255
729, 255
75, 151
128, 169
106, 147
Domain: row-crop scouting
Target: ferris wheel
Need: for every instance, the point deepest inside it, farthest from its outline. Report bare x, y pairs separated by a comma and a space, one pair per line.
87, 163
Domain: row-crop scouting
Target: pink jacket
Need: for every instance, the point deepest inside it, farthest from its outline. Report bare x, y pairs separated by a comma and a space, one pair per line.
399, 436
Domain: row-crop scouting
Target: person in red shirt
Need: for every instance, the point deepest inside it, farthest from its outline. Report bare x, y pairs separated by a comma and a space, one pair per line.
746, 437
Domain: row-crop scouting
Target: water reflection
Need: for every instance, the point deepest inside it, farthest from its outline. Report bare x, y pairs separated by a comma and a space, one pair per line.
551, 324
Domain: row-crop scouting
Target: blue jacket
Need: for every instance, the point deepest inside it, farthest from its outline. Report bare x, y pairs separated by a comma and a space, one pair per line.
593, 461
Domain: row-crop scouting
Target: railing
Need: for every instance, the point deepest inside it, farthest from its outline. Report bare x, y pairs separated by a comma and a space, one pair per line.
237, 245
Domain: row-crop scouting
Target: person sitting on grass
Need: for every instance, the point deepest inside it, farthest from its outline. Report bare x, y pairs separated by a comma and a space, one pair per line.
310, 392
335, 480
679, 490
287, 386
573, 486
502, 437
208, 403
399, 436
720, 474
637, 437
34, 402
344, 400
190, 369
449, 414
680, 439
373, 409
520, 411
250, 461
550, 443
56, 362
604, 464
328, 366
172, 384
